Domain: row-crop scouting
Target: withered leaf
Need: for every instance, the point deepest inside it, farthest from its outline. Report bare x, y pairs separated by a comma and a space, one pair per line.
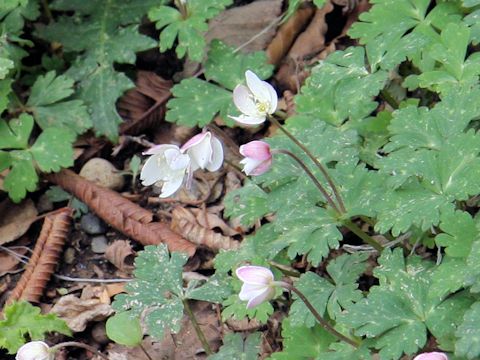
120, 254
16, 219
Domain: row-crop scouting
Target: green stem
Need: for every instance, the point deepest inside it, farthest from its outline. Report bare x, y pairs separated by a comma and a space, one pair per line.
322, 169
310, 174
53, 349
145, 352
389, 99
324, 323
362, 235
196, 326
48, 13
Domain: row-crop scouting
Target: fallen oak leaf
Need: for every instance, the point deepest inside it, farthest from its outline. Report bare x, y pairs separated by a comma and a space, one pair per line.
210, 221
185, 223
16, 219
120, 213
120, 254
44, 259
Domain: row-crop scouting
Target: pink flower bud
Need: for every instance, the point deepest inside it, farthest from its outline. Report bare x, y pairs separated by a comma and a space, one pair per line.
258, 285
258, 157
431, 356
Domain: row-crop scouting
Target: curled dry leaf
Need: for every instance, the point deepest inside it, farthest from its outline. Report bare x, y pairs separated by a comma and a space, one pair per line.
122, 214
15, 219
185, 223
120, 254
225, 26
45, 257
9, 261
287, 33
78, 312
209, 220
291, 73
144, 106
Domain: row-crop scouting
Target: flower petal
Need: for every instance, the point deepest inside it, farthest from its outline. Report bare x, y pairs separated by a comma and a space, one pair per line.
261, 168
248, 120
255, 275
242, 98
152, 170
251, 290
176, 160
34, 350
194, 140
171, 186
249, 165
431, 356
158, 149
201, 152
261, 90
217, 156
259, 150
273, 99
260, 298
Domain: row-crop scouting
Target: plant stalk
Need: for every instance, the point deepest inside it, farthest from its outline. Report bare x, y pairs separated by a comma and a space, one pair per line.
362, 235
80, 345
310, 174
324, 323
196, 326
317, 163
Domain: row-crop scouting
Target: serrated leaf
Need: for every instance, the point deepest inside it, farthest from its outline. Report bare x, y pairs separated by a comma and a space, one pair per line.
398, 312
460, 232
473, 275
53, 149
468, 344
215, 290
156, 291
301, 342
414, 29
196, 102
341, 88
236, 348
329, 296
22, 319
5, 90
227, 67
15, 133
234, 307
5, 66
188, 27
22, 176
106, 32
49, 110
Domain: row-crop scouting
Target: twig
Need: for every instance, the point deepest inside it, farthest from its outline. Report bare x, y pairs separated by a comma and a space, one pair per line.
196, 326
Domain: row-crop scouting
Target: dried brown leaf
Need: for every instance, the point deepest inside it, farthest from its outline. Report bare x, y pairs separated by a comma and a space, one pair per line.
287, 33
45, 257
77, 312
144, 106
252, 19
291, 73
185, 223
15, 219
122, 214
120, 254
209, 220
9, 261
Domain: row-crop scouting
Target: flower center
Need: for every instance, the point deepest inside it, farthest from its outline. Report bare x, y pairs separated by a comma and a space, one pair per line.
262, 107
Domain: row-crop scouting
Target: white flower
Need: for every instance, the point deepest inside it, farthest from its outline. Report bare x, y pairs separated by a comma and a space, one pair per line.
205, 152
168, 165
431, 356
34, 350
255, 101
258, 285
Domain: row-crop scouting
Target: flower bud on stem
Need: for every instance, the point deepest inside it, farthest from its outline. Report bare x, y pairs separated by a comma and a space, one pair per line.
324, 323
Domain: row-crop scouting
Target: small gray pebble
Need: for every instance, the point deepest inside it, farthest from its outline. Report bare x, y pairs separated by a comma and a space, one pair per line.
92, 225
99, 244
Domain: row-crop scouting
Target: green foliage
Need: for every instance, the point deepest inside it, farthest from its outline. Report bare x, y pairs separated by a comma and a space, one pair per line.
158, 291
23, 322
51, 151
468, 344
124, 329
100, 33
196, 102
236, 348
398, 312
49, 107
188, 24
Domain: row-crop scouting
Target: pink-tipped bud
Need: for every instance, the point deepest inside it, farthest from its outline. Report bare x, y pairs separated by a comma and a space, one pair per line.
431, 356
258, 157
258, 285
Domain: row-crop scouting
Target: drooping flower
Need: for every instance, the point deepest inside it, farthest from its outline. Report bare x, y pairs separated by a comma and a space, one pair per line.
205, 151
258, 285
255, 101
34, 350
167, 165
431, 356
258, 157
